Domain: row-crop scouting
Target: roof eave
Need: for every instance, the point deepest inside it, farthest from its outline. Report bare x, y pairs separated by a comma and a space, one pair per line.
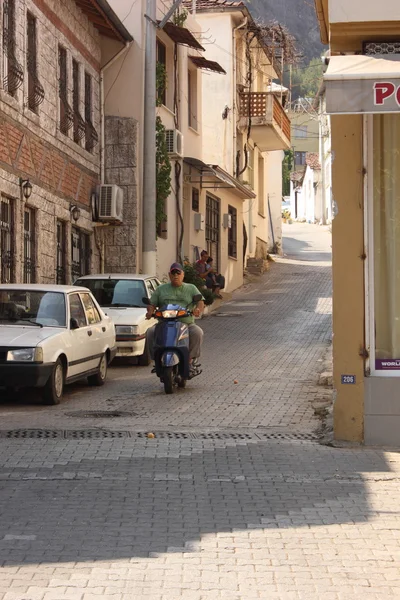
115, 23
323, 27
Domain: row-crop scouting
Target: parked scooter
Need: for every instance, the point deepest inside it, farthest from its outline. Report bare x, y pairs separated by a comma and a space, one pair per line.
171, 346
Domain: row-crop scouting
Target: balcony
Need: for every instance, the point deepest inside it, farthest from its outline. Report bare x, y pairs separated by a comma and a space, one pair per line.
270, 125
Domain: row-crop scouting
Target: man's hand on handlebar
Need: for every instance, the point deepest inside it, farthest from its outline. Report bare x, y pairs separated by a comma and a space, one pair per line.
150, 311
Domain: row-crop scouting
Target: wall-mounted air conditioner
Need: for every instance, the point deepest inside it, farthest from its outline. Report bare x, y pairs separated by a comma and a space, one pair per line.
174, 141
110, 205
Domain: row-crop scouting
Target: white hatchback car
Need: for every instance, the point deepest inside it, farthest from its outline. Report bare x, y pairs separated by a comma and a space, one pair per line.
120, 296
51, 335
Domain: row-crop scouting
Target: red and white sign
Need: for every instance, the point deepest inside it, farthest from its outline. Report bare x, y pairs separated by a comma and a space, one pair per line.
385, 90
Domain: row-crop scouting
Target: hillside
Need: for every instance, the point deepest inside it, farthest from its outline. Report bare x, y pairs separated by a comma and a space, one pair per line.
300, 18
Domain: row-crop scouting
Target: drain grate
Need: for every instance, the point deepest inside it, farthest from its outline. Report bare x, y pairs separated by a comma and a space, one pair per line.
102, 434
100, 414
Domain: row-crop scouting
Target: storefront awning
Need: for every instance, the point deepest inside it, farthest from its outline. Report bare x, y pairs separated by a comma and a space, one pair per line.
213, 177
358, 84
181, 35
208, 65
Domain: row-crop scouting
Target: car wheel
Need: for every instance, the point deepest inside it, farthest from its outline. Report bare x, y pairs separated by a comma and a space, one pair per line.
101, 375
144, 359
54, 388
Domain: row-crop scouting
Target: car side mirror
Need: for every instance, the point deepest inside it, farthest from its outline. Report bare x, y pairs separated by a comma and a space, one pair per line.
146, 301
73, 324
197, 298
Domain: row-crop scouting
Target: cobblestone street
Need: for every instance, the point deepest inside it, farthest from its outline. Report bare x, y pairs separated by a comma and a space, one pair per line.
234, 498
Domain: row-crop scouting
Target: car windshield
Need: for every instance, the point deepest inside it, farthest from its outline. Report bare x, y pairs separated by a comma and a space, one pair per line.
45, 309
116, 292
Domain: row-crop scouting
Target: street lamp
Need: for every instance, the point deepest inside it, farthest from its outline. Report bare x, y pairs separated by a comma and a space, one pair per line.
26, 187
75, 212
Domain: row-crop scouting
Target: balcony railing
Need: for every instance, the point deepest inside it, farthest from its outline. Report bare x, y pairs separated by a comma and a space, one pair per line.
264, 108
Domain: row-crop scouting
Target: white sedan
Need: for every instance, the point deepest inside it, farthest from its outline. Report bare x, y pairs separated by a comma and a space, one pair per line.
51, 335
121, 295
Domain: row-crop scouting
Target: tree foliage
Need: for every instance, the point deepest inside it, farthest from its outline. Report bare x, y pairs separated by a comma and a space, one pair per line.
287, 166
306, 80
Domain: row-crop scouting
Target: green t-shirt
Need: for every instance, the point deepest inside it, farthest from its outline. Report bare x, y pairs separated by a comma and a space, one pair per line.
170, 294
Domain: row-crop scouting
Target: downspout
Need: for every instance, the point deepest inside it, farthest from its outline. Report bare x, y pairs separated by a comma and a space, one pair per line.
101, 246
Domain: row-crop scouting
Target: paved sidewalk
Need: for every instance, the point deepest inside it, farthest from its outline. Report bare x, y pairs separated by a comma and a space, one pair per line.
197, 520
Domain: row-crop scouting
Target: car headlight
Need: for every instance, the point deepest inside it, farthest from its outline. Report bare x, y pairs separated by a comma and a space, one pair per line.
126, 329
25, 355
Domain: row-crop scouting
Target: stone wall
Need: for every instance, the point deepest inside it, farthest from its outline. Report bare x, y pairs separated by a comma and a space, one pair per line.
121, 241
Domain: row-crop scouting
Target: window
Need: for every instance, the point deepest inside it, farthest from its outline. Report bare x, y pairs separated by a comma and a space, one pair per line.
213, 228
261, 175
29, 245
192, 99
6, 240
250, 167
61, 244
80, 253
76, 310
64, 116
79, 124
232, 233
92, 314
300, 159
13, 73
161, 57
195, 199
31, 61
300, 131
90, 132
116, 292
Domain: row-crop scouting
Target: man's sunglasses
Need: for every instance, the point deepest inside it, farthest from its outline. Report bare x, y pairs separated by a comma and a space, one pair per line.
176, 272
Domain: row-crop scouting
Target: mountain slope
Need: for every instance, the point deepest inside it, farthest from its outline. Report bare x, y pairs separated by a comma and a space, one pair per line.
300, 18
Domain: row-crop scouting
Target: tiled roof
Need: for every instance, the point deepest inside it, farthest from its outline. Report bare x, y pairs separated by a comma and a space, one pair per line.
312, 160
209, 4
297, 175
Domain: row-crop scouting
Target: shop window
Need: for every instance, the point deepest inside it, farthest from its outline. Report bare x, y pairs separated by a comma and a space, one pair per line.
61, 253
386, 243
192, 99
195, 199
29, 245
232, 233
80, 253
6, 240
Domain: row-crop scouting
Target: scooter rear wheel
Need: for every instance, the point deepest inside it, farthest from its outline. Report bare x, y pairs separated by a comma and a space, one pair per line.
168, 379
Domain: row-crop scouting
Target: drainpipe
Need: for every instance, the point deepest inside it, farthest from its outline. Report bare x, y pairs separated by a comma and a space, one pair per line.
234, 117
102, 106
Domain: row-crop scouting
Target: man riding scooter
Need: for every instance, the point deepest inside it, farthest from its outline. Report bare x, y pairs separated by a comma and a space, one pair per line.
178, 292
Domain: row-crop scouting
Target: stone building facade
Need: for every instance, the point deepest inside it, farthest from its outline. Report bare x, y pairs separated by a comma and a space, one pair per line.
50, 130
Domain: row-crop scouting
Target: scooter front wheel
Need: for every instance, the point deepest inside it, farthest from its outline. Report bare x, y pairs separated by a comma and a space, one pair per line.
168, 379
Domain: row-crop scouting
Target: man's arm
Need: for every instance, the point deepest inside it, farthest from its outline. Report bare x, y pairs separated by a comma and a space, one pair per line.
199, 309
154, 303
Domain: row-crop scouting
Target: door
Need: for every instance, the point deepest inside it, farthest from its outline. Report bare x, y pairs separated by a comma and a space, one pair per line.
97, 331
213, 220
81, 345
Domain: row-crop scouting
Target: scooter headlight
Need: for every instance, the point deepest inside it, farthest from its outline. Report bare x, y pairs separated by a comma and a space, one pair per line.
169, 314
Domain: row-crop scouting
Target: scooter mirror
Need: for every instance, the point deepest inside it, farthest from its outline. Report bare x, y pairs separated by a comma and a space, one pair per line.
146, 301
197, 298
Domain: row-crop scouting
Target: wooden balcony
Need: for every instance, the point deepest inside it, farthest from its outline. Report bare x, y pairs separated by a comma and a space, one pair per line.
270, 125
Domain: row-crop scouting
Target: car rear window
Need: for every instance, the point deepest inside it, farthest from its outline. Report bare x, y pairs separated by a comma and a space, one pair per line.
116, 292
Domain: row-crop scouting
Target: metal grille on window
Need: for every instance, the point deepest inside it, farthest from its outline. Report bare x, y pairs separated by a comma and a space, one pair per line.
91, 134
29, 245
13, 73
212, 229
35, 88
81, 253
61, 253
6, 241
232, 233
195, 199
372, 48
66, 112
79, 123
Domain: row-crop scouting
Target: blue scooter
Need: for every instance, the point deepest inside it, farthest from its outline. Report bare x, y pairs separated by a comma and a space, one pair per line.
171, 346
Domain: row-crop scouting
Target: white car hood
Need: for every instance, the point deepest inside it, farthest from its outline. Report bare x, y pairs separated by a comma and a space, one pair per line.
26, 336
125, 316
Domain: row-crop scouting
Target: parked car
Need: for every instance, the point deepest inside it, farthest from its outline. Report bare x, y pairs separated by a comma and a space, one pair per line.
51, 335
120, 296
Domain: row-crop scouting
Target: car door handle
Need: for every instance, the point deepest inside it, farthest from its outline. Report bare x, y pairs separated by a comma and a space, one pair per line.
90, 333
103, 329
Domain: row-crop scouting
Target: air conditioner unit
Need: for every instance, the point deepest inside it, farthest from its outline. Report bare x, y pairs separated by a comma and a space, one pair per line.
174, 141
110, 203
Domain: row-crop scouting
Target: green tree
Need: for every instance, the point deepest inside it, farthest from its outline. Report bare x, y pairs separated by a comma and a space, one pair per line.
287, 166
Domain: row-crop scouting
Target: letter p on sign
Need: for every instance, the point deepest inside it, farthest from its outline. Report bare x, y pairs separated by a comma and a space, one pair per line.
383, 91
